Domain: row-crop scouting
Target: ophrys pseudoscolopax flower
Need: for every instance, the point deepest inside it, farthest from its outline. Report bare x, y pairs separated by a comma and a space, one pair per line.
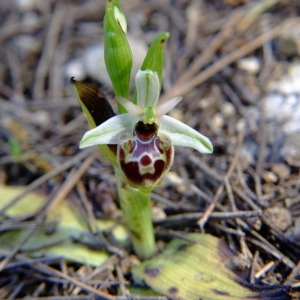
145, 135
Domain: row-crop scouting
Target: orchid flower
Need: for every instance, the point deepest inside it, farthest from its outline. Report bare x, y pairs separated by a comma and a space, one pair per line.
145, 135
139, 142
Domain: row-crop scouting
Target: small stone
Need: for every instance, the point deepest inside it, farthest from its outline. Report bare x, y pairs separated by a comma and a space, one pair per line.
250, 64
158, 214
217, 121
206, 102
281, 170
269, 176
26, 5
31, 19
257, 224
228, 110
172, 179
289, 41
273, 103
91, 63
41, 118
268, 190
288, 83
27, 44
241, 125
96, 71
279, 217
75, 69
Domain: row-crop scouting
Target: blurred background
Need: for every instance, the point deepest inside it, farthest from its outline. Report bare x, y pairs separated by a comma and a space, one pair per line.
235, 62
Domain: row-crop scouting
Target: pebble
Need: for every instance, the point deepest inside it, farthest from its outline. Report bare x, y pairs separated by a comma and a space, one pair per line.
279, 217
217, 121
94, 64
172, 179
27, 44
249, 64
26, 5
288, 83
228, 110
269, 176
75, 68
158, 214
91, 63
31, 19
289, 41
281, 170
41, 118
282, 112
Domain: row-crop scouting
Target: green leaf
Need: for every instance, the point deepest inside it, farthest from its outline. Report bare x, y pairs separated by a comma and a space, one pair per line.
56, 236
117, 51
191, 271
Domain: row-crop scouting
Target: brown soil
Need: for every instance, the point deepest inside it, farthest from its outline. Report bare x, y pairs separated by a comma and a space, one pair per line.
248, 177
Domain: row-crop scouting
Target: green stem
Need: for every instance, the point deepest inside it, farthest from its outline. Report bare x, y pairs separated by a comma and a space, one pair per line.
136, 208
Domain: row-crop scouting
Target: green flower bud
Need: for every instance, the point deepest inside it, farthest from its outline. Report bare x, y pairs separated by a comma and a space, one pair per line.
117, 51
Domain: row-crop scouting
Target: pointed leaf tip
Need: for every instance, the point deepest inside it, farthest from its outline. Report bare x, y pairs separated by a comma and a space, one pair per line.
93, 102
117, 52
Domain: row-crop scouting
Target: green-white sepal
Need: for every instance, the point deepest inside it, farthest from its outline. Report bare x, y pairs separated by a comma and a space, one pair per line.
185, 136
108, 132
179, 133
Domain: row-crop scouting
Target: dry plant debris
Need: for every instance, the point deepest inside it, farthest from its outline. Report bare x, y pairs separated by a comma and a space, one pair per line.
237, 65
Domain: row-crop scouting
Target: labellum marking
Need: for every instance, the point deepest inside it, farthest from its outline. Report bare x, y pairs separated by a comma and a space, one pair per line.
145, 156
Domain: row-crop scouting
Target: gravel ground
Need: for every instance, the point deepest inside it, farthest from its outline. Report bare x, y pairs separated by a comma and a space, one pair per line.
237, 65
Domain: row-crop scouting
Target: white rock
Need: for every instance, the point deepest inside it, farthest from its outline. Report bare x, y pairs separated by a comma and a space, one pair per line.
75, 69
31, 19
272, 105
250, 64
289, 82
289, 41
217, 121
92, 64
27, 44
158, 214
172, 179
26, 5
228, 109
